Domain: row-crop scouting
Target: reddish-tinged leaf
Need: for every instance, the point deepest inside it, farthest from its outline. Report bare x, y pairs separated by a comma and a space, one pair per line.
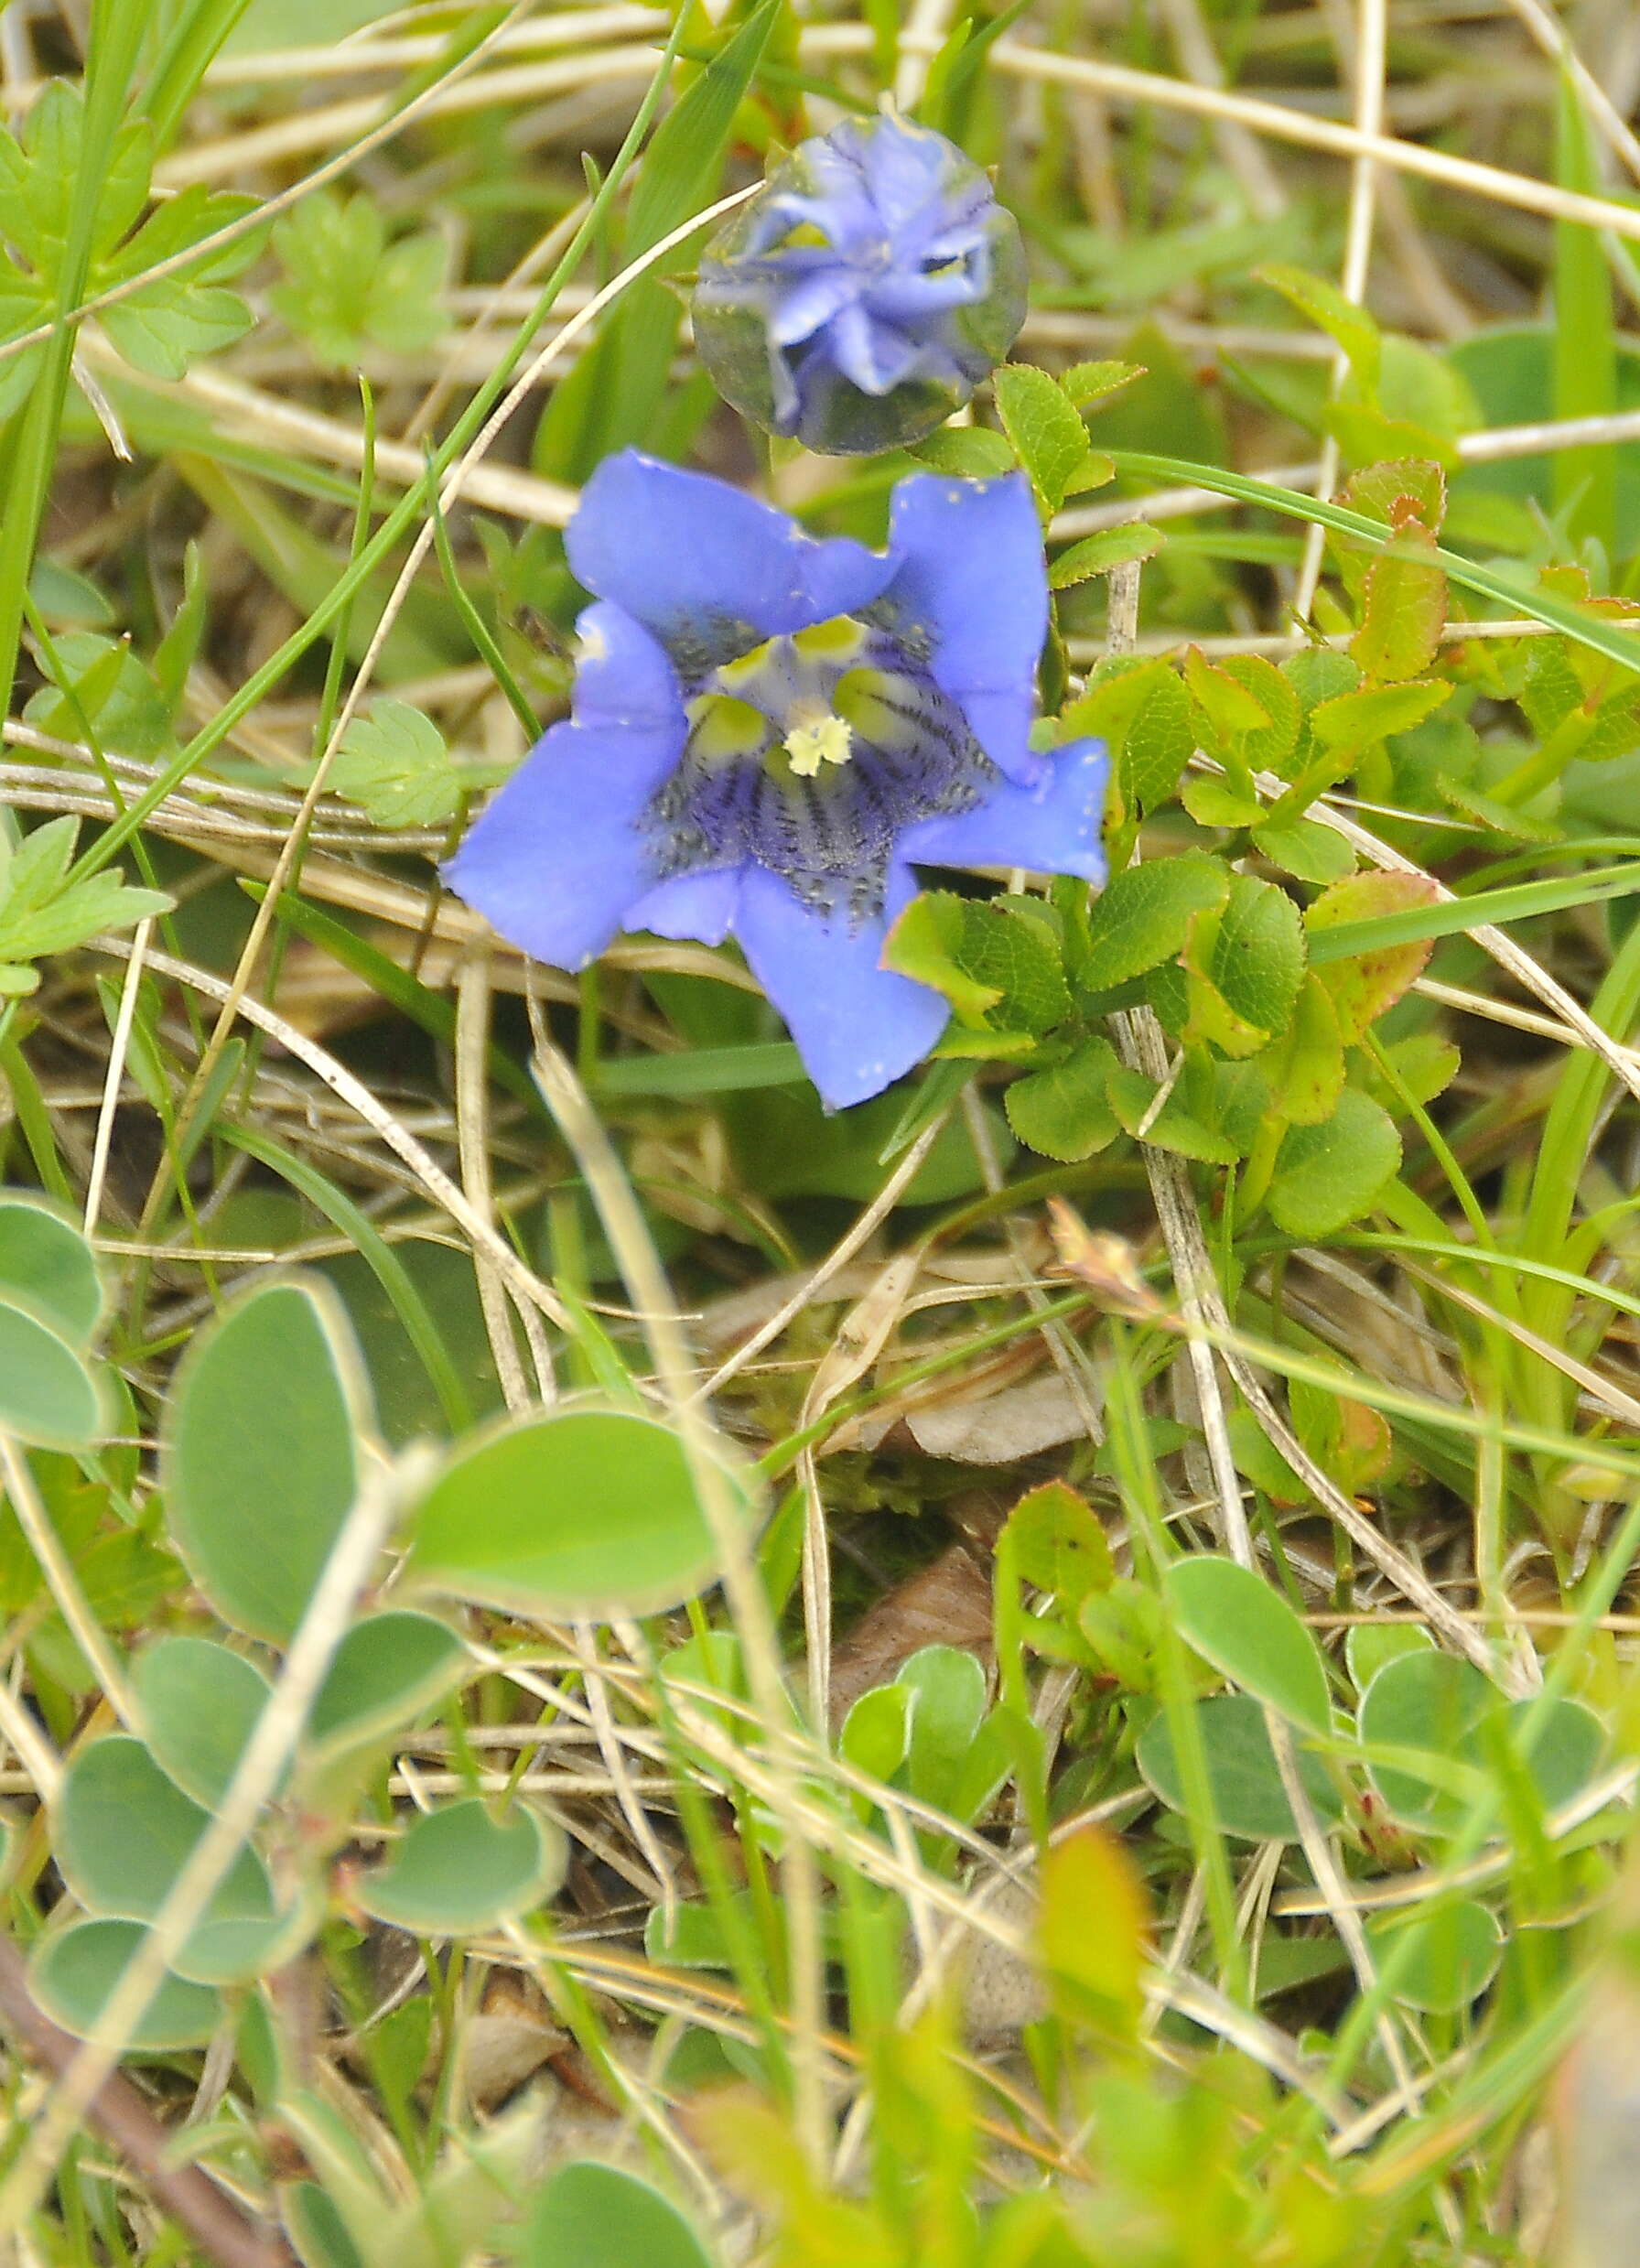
1403, 609
1367, 986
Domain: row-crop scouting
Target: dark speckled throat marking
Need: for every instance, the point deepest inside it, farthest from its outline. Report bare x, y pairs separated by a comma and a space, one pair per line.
829, 834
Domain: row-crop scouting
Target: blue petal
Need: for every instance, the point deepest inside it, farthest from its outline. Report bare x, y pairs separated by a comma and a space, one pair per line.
896, 298
907, 167
622, 675
701, 906
870, 355
710, 570
1052, 828
555, 860
799, 307
972, 577
857, 1025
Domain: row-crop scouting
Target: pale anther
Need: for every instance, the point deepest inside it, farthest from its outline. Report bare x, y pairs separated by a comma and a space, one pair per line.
828, 739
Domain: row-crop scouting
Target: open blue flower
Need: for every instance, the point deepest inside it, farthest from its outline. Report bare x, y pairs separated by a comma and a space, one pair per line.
862, 294
769, 730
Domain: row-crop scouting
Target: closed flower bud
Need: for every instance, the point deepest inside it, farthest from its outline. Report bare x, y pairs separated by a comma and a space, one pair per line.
863, 293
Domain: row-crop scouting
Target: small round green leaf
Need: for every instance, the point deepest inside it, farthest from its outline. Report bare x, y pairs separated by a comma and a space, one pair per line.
123, 1833
1455, 1957
1249, 1800
386, 1670
1567, 1751
1328, 1175
1433, 1702
458, 1869
238, 1949
1236, 1620
592, 2216
581, 1512
1370, 1645
199, 1705
47, 1262
73, 1973
261, 1454
48, 1396
946, 1685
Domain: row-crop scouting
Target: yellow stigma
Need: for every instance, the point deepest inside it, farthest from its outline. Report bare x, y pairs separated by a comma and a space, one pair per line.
827, 740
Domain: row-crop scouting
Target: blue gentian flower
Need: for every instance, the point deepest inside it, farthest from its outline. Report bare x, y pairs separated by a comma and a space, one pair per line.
863, 293
767, 730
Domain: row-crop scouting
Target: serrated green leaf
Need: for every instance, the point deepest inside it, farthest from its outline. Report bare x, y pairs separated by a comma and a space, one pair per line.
1173, 1126
1305, 1066
346, 288
997, 963
1329, 1175
1252, 957
1142, 916
179, 224
1085, 384
1216, 802
1403, 609
1062, 1112
1096, 555
41, 911
1230, 710
161, 328
1141, 710
1400, 490
966, 452
1305, 847
1047, 434
1320, 674
1095, 470
1268, 746
1056, 1541
395, 765
405, 311
1350, 722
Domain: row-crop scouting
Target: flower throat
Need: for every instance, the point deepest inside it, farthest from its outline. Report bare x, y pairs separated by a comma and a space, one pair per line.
811, 754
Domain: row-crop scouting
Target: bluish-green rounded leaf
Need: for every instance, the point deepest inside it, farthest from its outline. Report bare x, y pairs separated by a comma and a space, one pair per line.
1236, 1620
1369, 1645
46, 1261
387, 1668
591, 2216
1454, 1955
1567, 1751
48, 1396
123, 1832
461, 1868
1435, 1703
1247, 1797
73, 1973
946, 1685
199, 1705
238, 1949
583, 1511
261, 1450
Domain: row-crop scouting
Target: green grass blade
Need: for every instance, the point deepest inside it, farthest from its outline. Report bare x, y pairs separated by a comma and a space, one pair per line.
1518, 904
1539, 606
